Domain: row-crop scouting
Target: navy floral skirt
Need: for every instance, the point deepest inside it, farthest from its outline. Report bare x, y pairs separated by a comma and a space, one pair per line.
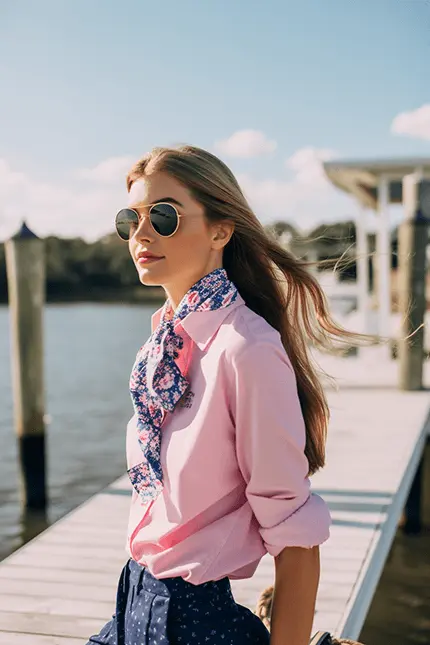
172, 611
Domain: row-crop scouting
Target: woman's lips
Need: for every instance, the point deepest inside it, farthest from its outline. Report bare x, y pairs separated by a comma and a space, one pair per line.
148, 260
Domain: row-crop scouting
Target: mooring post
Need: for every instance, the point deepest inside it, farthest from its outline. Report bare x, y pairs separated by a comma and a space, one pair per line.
25, 263
413, 239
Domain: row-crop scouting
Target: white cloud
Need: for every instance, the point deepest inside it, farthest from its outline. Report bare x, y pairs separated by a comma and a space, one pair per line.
304, 200
415, 123
86, 202
76, 208
307, 164
107, 171
246, 144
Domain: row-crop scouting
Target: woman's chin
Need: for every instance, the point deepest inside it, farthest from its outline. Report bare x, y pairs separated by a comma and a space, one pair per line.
149, 280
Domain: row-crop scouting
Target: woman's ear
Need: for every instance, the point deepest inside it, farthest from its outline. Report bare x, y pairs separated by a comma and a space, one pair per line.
222, 234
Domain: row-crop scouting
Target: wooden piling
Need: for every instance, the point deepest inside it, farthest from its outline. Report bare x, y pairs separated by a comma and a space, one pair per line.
25, 265
413, 236
412, 514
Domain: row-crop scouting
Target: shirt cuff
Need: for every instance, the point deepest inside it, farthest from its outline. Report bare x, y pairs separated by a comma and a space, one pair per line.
308, 526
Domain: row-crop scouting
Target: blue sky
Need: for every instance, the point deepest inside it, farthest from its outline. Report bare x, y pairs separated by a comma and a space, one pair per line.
90, 85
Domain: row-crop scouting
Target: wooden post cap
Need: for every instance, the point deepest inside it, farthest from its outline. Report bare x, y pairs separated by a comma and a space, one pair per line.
25, 233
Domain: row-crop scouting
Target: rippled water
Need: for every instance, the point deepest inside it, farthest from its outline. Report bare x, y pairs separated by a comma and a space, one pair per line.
89, 352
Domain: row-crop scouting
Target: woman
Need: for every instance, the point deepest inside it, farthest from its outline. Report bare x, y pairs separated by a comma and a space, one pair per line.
230, 418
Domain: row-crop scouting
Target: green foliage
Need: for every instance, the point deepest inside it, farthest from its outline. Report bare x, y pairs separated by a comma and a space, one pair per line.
105, 263
77, 269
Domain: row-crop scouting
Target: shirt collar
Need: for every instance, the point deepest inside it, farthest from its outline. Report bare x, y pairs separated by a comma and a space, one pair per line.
201, 326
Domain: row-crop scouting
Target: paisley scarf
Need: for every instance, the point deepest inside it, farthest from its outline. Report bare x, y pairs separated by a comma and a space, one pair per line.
157, 383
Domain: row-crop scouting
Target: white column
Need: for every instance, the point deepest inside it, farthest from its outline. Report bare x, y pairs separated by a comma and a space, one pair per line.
383, 249
362, 261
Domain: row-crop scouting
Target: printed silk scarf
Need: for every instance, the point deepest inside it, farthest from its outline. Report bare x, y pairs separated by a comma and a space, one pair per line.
156, 381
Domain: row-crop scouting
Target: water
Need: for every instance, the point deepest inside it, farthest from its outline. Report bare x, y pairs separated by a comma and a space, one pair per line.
89, 351
400, 610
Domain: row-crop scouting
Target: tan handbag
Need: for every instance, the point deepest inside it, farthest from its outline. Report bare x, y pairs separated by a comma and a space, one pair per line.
264, 610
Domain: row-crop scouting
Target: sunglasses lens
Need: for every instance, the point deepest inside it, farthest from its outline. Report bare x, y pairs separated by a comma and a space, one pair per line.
126, 223
164, 219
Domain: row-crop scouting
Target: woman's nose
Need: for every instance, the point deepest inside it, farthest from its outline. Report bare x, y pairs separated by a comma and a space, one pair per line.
144, 229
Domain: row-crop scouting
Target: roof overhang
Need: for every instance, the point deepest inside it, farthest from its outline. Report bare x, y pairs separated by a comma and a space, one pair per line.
361, 178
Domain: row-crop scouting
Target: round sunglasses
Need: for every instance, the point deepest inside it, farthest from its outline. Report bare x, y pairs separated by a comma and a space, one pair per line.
164, 219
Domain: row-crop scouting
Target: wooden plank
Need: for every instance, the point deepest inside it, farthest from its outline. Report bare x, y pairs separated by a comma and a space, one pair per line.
12, 638
57, 606
74, 552
85, 538
46, 625
326, 621
64, 589
121, 482
82, 578
71, 564
83, 530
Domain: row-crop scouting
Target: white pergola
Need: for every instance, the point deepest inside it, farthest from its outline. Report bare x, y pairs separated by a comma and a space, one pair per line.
375, 184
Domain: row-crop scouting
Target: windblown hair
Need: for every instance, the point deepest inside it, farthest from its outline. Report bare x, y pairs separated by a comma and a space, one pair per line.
272, 281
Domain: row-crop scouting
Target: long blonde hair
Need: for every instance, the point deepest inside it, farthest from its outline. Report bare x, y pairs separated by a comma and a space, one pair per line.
274, 284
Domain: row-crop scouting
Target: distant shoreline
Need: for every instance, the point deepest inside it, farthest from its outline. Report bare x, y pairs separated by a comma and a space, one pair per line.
133, 295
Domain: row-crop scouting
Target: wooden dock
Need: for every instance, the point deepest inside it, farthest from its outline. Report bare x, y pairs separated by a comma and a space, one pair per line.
60, 588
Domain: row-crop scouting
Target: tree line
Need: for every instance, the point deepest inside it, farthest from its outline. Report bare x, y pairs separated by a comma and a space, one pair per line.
103, 270
79, 270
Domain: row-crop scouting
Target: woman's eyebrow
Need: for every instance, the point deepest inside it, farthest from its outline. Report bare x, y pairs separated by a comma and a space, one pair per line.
170, 200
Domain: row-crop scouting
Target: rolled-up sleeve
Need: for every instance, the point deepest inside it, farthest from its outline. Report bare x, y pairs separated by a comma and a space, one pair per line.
270, 443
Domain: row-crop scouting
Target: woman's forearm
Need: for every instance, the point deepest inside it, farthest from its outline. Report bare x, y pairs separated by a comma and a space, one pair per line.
296, 586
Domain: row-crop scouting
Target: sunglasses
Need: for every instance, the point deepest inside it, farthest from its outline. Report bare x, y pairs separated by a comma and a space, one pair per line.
164, 219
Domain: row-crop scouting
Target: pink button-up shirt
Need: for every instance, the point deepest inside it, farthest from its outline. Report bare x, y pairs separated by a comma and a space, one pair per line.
234, 468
